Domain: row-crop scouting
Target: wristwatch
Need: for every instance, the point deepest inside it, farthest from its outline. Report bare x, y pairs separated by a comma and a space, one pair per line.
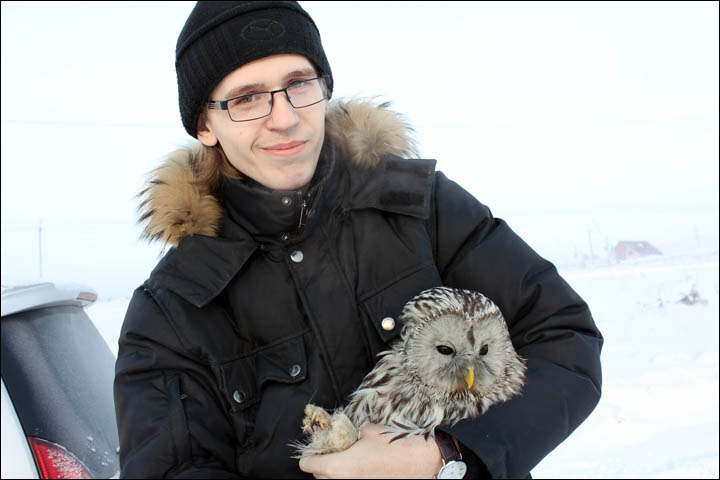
453, 466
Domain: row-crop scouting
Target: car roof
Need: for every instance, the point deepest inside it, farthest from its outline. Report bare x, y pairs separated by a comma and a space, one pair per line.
19, 298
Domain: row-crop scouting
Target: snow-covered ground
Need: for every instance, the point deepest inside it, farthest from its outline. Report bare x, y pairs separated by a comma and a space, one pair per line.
658, 417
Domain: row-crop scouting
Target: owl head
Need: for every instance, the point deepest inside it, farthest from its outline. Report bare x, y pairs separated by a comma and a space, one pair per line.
456, 341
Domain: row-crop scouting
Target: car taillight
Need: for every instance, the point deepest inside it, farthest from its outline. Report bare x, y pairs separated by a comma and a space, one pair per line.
55, 461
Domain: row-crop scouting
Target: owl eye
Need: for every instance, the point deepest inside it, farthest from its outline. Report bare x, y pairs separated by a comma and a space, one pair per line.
484, 349
445, 350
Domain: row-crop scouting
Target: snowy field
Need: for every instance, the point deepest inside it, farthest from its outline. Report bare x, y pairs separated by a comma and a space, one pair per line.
658, 417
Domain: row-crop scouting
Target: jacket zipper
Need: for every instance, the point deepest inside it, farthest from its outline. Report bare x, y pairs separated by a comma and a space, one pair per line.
303, 215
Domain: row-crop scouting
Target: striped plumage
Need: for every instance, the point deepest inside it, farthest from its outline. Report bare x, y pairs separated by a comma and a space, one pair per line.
454, 359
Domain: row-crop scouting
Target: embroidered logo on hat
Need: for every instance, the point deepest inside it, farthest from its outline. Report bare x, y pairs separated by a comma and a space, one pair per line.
263, 29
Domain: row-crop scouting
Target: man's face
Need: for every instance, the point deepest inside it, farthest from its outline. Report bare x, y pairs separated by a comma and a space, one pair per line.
279, 151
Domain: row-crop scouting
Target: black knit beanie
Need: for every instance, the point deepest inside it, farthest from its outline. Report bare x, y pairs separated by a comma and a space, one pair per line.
219, 37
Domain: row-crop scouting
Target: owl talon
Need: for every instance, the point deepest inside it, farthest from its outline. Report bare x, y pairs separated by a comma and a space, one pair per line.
327, 433
316, 419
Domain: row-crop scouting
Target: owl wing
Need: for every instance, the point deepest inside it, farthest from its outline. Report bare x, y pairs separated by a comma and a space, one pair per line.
387, 396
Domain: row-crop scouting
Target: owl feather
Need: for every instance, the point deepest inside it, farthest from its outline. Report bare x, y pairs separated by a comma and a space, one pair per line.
453, 360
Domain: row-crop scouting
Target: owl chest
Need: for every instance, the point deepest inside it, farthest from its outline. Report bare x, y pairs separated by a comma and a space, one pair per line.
397, 405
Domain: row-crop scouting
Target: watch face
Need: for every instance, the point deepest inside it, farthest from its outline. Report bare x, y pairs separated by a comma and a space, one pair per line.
453, 469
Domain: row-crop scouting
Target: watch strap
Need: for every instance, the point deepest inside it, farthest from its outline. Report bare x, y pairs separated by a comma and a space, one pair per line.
448, 445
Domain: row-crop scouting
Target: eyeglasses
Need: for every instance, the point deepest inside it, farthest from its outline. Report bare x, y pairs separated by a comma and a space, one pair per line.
300, 94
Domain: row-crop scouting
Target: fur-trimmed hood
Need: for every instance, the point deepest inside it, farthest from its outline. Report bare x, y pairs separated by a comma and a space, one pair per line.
172, 206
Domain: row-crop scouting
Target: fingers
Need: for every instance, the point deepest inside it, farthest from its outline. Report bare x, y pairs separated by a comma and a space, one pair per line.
371, 429
316, 465
306, 464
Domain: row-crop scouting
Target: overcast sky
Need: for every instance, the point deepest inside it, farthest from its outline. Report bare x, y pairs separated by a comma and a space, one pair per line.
530, 106
583, 105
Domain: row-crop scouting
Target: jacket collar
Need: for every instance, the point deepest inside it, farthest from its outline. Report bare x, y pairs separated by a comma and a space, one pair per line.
395, 185
268, 214
364, 154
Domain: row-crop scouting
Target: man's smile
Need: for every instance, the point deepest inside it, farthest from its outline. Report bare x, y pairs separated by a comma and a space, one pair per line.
285, 149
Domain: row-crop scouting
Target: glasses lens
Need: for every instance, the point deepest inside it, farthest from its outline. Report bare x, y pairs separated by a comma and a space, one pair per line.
249, 106
302, 93
307, 92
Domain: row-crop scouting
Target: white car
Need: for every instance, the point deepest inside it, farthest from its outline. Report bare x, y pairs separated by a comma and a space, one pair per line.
58, 416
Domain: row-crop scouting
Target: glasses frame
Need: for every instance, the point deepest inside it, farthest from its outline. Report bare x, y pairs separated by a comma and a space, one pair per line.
223, 104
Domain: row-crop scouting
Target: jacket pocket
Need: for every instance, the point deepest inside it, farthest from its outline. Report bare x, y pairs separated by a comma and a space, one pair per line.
384, 305
245, 379
282, 361
177, 421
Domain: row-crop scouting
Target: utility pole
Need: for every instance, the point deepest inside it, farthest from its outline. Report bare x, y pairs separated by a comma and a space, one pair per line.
590, 242
40, 249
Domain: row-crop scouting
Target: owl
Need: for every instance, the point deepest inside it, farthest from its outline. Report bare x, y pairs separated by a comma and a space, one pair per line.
453, 360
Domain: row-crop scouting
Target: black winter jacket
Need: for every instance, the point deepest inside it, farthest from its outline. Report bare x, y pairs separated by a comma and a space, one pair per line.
251, 315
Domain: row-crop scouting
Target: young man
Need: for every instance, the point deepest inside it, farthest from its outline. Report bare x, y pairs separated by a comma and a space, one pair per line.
299, 230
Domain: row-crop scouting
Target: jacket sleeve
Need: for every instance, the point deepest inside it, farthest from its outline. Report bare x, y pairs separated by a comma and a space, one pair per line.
550, 326
169, 422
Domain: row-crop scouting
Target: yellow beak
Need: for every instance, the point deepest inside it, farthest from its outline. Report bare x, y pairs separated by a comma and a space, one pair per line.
470, 376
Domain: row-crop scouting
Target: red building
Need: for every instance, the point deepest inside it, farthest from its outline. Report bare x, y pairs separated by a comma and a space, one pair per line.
632, 249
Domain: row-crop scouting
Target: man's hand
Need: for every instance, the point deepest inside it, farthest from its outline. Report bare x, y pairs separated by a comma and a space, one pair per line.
372, 456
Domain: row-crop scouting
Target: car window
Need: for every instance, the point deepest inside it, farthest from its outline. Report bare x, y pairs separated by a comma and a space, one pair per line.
58, 371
